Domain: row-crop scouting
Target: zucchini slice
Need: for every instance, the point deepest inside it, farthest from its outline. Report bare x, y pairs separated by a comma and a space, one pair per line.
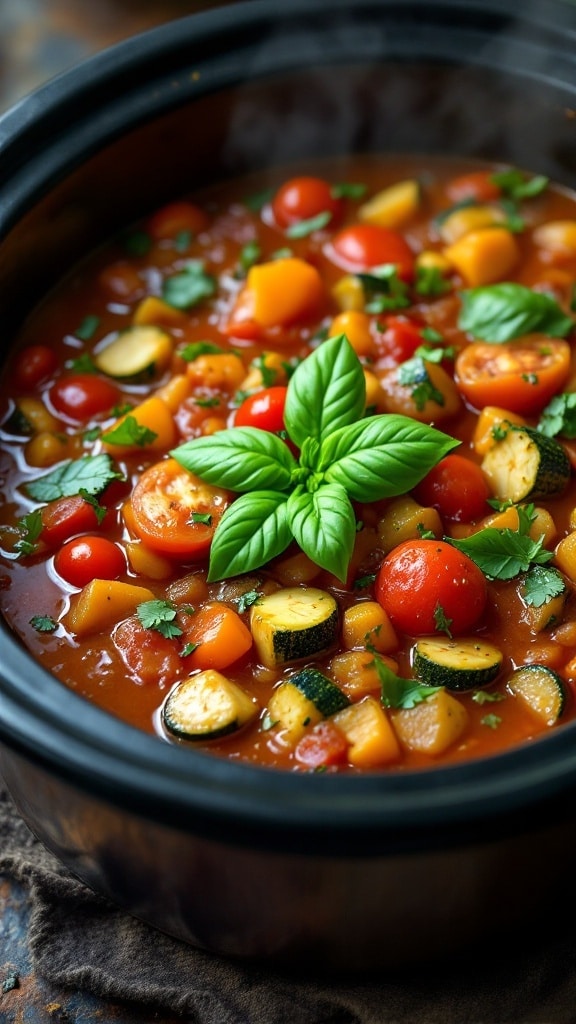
294, 624
141, 349
206, 706
303, 700
456, 664
526, 464
541, 689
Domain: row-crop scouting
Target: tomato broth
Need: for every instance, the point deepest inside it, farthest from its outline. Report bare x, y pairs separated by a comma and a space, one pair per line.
288, 467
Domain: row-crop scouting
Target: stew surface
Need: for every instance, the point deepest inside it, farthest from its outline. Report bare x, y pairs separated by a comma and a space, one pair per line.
288, 467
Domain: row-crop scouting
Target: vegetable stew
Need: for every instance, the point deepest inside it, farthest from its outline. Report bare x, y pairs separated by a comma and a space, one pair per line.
288, 467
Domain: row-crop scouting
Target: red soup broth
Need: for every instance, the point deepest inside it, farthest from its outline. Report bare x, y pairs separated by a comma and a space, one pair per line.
374, 626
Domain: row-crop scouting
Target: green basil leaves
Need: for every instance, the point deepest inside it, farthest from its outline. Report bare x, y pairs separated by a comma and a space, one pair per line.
344, 457
500, 312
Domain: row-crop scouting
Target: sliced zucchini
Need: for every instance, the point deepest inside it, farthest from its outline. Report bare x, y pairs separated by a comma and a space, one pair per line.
303, 700
541, 689
141, 349
456, 664
526, 464
392, 206
293, 624
206, 706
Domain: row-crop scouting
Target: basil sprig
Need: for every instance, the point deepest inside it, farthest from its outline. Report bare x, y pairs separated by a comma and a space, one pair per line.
500, 312
344, 457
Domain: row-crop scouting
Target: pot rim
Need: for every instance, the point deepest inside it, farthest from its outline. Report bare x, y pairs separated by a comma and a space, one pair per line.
192, 789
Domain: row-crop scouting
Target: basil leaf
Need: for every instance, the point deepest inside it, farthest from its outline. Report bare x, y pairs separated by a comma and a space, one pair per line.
302, 228
559, 416
189, 287
382, 456
92, 473
501, 312
324, 525
240, 459
253, 530
514, 185
327, 391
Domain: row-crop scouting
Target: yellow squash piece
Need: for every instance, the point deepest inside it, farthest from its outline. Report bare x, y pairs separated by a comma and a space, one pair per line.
102, 603
432, 726
393, 206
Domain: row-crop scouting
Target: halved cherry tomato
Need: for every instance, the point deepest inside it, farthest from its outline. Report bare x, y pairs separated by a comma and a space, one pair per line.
457, 488
175, 512
325, 744
84, 559
263, 409
176, 217
521, 376
477, 185
361, 246
151, 658
397, 339
35, 363
424, 582
64, 517
83, 395
303, 198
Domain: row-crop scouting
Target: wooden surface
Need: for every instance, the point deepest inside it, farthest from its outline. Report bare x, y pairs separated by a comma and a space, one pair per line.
39, 39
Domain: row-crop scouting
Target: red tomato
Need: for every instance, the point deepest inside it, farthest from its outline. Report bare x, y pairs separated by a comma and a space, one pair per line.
88, 558
457, 488
264, 409
477, 185
325, 744
176, 217
83, 395
362, 246
64, 517
521, 376
422, 580
398, 338
151, 658
304, 198
164, 506
33, 364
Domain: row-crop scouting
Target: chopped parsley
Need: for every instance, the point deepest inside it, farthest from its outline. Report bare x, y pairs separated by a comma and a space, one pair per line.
303, 228
43, 623
88, 327
130, 432
159, 615
31, 527
189, 287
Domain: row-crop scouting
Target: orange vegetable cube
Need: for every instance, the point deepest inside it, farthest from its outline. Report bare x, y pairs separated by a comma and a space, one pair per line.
369, 732
220, 634
283, 291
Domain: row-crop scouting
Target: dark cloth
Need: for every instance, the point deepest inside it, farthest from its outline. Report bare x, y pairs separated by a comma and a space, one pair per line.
80, 941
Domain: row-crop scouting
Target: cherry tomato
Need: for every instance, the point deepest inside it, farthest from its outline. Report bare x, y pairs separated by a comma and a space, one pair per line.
151, 658
422, 582
264, 409
64, 517
457, 488
398, 338
362, 246
477, 185
174, 218
175, 512
88, 558
521, 376
35, 363
304, 198
83, 395
325, 744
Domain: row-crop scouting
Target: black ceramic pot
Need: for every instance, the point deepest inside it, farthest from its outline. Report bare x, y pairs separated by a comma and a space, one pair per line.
339, 871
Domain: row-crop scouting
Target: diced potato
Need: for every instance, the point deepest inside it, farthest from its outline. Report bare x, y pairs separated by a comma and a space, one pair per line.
565, 556
175, 391
356, 673
559, 236
542, 525
153, 310
393, 206
490, 418
405, 519
102, 603
429, 259
432, 726
484, 256
369, 732
36, 415
546, 615
145, 562
294, 569
224, 371
367, 625
469, 218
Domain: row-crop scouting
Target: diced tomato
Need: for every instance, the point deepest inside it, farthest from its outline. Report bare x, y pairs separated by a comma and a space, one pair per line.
174, 218
304, 198
34, 364
477, 185
325, 744
422, 584
82, 395
151, 658
264, 409
83, 559
457, 488
175, 512
397, 339
65, 517
521, 376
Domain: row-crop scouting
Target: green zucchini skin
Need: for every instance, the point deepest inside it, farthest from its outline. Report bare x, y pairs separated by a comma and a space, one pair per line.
541, 689
294, 624
526, 464
303, 700
207, 706
457, 665
324, 694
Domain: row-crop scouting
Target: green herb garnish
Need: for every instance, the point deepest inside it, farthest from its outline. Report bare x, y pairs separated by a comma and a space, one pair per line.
559, 416
303, 228
43, 623
397, 692
344, 457
88, 327
90, 475
500, 312
159, 615
384, 289
514, 185
348, 190
189, 287
504, 554
541, 585
130, 432
194, 349
31, 527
